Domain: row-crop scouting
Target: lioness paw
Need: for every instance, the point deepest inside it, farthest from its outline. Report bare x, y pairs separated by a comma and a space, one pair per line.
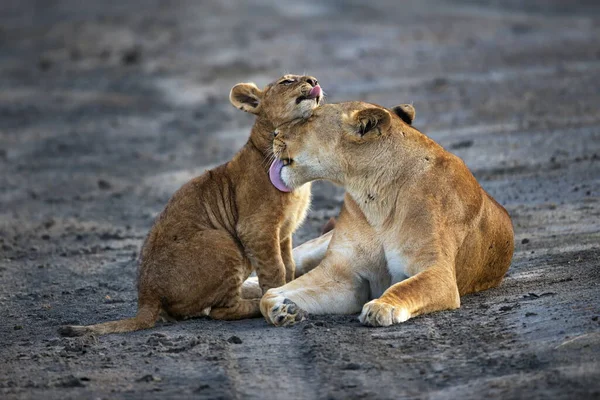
281, 311
378, 313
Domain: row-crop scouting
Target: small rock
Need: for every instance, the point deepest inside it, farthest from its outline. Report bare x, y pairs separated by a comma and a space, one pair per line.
104, 184
18, 327
235, 340
308, 326
149, 378
525, 241
45, 236
351, 367
70, 381
202, 387
131, 56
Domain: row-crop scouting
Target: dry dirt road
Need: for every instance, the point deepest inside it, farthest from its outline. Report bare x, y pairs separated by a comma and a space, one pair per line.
107, 107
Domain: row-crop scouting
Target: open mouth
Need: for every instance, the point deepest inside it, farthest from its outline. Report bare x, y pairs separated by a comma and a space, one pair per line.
314, 94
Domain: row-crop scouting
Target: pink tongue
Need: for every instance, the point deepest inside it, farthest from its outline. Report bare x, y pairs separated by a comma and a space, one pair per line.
275, 176
315, 92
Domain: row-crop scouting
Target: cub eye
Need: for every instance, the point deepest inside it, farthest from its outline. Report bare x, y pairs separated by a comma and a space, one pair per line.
287, 81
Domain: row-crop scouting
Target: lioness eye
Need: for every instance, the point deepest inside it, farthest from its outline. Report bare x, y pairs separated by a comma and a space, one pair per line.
287, 82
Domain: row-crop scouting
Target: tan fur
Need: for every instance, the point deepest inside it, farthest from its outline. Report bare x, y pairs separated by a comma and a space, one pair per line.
221, 226
416, 231
309, 254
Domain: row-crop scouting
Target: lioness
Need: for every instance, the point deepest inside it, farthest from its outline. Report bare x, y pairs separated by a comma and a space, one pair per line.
416, 230
309, 254
220, 226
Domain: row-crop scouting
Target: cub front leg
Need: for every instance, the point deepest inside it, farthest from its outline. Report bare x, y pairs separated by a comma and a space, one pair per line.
431, 290
264, 252
288, 260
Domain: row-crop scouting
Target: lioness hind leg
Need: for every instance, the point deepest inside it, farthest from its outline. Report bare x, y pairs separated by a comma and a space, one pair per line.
240, 309
431, 290
251, 289
310, 254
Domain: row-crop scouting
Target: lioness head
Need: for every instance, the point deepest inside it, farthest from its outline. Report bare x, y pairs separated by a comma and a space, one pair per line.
289, 98
337, 142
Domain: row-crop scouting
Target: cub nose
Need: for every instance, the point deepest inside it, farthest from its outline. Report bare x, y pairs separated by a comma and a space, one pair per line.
312, 81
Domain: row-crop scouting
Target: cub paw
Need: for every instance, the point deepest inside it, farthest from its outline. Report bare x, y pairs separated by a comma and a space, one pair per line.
378, 313
281, 311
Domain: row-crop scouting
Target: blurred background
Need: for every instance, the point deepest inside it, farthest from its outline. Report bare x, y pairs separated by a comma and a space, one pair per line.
107, 107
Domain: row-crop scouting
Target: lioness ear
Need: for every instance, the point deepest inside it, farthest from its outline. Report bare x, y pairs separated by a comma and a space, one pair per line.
246, 97
371, 121
406, 112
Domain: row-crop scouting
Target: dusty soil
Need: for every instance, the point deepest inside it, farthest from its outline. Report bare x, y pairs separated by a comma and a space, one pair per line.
107, 107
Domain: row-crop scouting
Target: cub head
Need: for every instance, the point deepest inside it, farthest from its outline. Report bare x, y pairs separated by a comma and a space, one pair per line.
289, 98
338, 142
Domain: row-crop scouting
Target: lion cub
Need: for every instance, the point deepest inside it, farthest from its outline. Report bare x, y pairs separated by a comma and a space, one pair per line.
220, 226
416, 231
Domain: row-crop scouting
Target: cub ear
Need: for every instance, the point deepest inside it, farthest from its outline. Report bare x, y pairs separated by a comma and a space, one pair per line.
372, 121
246, 97
406, 112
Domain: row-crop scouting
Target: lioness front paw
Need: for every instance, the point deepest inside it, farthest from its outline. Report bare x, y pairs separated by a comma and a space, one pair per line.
281, 311
378, 313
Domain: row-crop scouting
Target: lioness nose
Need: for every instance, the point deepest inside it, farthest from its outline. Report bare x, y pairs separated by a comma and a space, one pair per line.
312, 81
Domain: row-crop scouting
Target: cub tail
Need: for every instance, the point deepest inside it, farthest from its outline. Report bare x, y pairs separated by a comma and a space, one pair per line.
146, 318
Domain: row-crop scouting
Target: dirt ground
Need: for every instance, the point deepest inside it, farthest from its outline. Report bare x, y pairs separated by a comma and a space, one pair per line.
108, 107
